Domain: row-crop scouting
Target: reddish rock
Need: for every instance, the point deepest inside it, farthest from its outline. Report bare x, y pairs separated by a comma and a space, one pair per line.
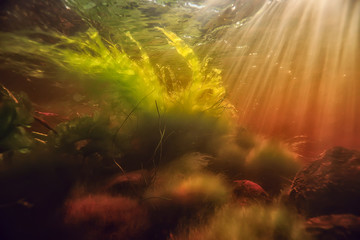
334, 227
247, 191
330, 185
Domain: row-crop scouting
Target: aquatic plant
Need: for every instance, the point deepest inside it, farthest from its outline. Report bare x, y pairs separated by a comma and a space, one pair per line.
182, 192
185, 180
84, 57
182, 134
142, 108
15, 117
99, 63
229, 158
205, 90
254, 222
85, 136
272, 165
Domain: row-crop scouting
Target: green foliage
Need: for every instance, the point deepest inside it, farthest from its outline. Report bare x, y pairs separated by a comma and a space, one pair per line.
85, 136
93, 60
272, 165
148, 120
188, 164
138, 102
183, 133
185, 182
273, 157
229, 158
254, 222
205, 90
85, 57
15, 116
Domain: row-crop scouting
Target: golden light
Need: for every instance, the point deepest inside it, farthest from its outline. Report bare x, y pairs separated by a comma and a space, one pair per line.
293, 69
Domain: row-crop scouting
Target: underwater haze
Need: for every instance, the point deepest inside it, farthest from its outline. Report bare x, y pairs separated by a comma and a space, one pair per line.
174, 119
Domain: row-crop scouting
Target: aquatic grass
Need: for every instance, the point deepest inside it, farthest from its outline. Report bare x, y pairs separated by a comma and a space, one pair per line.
205, 91
253, 222
87, 135
272, 165
149, 121
15, 116
85, 57
186, 181
96, 62
143, 122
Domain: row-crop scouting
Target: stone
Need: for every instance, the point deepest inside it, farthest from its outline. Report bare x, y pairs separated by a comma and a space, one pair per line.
247, 192
329, 185
18, 15
334, 227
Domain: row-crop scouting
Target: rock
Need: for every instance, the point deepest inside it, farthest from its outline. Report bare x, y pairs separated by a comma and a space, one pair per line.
246, 191
334, 227
329, 185
18, 15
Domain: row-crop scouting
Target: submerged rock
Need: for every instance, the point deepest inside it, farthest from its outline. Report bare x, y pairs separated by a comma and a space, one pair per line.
334, 227
246, 192
18, 15
330, 185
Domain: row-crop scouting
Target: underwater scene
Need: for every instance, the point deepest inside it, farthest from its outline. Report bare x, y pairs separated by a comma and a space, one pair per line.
180, 119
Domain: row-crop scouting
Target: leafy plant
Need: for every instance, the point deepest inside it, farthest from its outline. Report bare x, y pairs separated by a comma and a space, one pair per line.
15, 116
86, 135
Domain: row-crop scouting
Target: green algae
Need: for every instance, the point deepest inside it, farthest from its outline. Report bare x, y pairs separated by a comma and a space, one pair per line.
89, 58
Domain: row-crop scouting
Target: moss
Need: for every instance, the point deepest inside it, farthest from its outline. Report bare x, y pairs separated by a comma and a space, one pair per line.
272, 165
254, 222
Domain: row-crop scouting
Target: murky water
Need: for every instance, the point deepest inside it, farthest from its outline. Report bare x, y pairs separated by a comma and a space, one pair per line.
135, 115
290, 67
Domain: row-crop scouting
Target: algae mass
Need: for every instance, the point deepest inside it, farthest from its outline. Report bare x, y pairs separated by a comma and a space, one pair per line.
145, 143
87, 57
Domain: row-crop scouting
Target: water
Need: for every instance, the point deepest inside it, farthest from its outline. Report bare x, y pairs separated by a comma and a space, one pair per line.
290, 67
294, 71
133, 121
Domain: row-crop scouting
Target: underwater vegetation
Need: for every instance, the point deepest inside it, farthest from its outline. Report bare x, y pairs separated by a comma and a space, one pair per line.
15, 117
233, 222
182, 139
182, 136
144, 155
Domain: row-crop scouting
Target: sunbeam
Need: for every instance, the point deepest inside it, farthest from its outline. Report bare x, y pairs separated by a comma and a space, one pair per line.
293, 70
